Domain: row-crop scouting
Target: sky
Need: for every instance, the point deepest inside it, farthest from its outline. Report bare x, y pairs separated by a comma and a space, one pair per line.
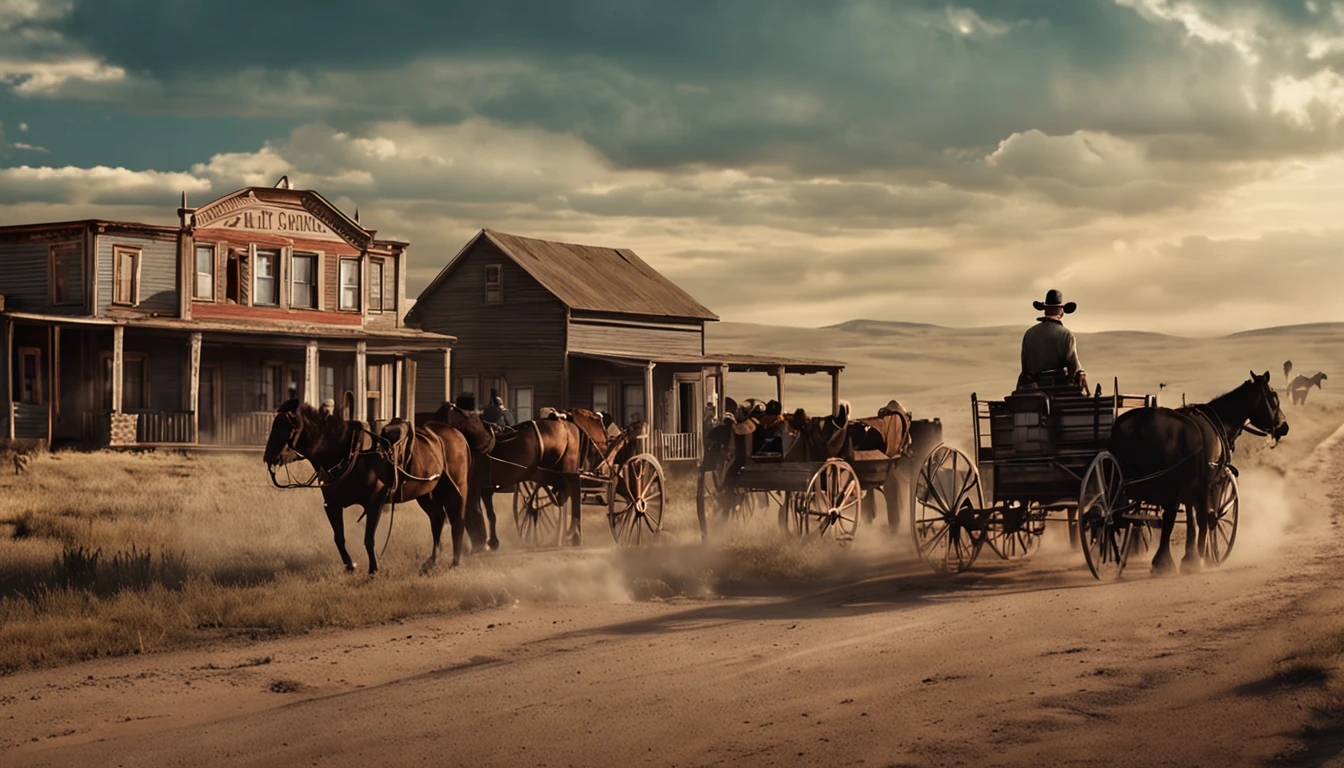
1171, 165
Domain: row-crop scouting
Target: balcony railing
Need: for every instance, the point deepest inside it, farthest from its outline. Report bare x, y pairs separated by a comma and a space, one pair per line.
678, 446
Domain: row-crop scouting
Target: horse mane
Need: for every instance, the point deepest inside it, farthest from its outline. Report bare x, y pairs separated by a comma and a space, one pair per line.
479, 436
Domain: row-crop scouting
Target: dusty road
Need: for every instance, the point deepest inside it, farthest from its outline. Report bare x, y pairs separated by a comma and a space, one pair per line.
1020, 664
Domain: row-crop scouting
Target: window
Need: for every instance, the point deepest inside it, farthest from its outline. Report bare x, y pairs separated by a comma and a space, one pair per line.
327, 383
389, 287
205, 273
375, 285
64, 263
265, 292
269, 391
466, 385
233, 291
522, 405
602, 398
494, 284
134, 380
633, 403
125, 276
350, 284
304, 269
30, 375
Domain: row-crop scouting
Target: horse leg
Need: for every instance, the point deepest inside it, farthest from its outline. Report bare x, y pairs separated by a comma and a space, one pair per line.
454, 504
481, 539
336, 516
488, 501
1194, 543
1162, 561
434, 510
373, 510
574, 492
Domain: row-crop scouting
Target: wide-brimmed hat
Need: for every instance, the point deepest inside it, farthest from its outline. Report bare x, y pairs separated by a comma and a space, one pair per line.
1054, 300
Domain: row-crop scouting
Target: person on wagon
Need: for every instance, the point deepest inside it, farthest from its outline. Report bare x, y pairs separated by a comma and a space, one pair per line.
1049, 346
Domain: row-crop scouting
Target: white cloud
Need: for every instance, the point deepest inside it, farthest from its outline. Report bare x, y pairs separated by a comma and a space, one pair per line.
1198, 26
1309, 101
46, 78
23, 127
29, 147
95, 186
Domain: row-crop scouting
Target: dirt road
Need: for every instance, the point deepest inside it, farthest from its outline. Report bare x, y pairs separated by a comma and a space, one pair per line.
1015, 665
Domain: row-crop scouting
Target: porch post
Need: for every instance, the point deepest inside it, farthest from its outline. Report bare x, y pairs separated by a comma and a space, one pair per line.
361, 382
447, 376
723, 391
118, 359
835, 392
9, 376
779, 387
399, 387
310, 374
408, 376
194, 387
648, 397
53, 380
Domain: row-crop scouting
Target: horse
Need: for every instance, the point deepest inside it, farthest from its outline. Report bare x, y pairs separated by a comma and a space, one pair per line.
1301, 385
1171, 457
356, 468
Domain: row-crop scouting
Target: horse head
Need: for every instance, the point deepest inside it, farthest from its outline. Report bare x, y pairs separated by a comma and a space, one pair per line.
1265, 413
289, 437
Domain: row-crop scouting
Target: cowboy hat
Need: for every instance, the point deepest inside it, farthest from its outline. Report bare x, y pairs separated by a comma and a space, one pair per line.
1054, 300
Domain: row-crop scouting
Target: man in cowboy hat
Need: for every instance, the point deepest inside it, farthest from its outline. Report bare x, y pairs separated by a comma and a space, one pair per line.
1050, 347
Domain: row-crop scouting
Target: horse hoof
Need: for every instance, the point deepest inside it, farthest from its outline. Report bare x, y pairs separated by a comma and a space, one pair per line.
1164, 568
428, 566
453, 564
493, 544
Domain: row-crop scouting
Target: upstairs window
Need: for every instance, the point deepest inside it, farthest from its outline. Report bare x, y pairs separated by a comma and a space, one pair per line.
350, 285
265, 292
233, 290
375, 285
204, 289
389, 287
494, 284
304, 269
65, 267
125, 276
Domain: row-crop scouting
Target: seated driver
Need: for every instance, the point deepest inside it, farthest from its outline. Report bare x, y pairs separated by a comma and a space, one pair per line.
1050, 347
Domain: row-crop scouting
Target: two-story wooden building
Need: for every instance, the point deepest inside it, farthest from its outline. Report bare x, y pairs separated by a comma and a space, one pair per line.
193, 334
557, 324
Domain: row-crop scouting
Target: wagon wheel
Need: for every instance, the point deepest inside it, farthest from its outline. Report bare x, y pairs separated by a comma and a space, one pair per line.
1105, 533
537, 513
1014, 532
635, 512
829, 506
1224, 504
946, 508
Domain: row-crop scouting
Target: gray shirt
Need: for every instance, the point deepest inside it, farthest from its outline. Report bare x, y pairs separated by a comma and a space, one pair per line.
1049, 346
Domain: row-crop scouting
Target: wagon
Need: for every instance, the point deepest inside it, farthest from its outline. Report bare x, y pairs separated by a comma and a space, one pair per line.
629, 484
819, 498
1040, 456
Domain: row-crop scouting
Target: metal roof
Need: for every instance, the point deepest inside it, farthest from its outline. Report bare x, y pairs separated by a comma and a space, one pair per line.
735, 362
587, 277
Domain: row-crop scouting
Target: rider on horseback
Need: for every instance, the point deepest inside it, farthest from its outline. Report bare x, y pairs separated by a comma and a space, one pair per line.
1049, 352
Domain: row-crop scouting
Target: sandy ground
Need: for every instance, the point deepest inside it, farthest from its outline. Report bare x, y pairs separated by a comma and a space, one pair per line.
880, 663
884, 664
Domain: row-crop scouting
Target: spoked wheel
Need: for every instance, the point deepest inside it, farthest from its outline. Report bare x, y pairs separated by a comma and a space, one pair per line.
830, 505
1224, 505
537, 513
1104, 531
636, 509
1014, 532
946, 508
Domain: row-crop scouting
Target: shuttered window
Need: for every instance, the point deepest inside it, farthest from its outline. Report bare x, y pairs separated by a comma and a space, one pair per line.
65, 268
125, 276
304, 269
350, 284
389, 287
375, 285
204, 289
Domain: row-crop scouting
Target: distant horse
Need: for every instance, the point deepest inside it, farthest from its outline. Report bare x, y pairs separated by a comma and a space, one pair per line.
1301, 385
1287, 370
355, 468
1171, 457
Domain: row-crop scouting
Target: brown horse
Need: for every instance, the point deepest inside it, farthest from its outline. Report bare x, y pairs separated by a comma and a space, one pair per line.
355, 468
1301, 385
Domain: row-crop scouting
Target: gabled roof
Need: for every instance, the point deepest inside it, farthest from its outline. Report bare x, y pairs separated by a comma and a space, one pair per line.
585, 277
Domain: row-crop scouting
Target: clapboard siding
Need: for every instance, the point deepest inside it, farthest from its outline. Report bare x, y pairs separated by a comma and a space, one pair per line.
158, 274
521, 339
25, 275
166, 376
429, 393
598, 336
30, 421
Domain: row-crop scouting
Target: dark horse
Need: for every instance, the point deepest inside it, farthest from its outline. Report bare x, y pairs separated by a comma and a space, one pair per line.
549, 452
1171, 457
356, 468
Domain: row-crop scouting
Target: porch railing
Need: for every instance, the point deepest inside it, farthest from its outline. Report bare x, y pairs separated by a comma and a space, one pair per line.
676, 446
164, 427
250, 428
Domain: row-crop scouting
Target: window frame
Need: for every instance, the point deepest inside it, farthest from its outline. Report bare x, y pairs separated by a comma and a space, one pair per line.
60, 292
198, 250
258, 256
35, 353
314, 287
517, 407
626, 404
376, 275
105, 380
496, 285
356, 270
272, 372
117, 270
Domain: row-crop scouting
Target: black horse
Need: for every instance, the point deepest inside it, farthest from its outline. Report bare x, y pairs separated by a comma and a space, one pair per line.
355, 472
1171, 457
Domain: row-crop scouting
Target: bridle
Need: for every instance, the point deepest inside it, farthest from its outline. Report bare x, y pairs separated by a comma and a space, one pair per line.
1270, 400
321, 475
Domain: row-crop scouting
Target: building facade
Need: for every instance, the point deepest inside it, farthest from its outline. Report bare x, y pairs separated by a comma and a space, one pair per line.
130, 333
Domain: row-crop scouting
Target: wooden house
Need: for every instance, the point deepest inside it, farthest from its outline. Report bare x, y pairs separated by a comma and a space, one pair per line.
544, 323
129, 333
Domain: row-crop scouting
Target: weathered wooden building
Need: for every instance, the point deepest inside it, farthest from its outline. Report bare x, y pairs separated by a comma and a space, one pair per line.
557, 324
119, 332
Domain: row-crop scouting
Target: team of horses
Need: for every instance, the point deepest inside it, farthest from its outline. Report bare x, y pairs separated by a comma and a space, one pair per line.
452, 464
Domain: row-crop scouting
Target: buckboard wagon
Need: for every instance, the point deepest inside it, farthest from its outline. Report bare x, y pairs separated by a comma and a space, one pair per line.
1042, 453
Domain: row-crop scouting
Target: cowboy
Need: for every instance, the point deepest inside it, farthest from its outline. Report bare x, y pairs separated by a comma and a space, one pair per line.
1049, 347
495, 412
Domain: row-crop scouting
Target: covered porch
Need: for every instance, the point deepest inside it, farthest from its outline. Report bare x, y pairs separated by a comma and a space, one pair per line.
683, 393
103, 382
